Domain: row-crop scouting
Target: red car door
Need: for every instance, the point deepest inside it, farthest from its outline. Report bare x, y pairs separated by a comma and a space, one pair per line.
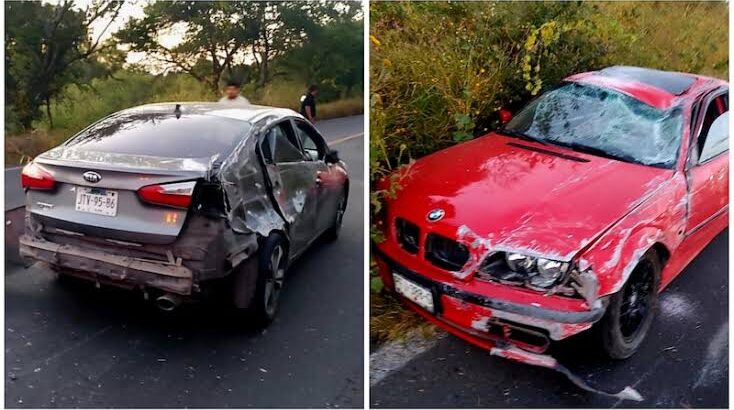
709, 172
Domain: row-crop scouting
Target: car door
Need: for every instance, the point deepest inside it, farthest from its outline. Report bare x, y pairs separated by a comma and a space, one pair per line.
329, 184
708, 171
293, 181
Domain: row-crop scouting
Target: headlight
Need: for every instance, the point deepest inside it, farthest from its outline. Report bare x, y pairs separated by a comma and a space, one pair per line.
537, 272
520, 263
549, 272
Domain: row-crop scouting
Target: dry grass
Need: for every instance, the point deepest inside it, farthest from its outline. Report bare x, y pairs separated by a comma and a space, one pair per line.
341, 108
20, 149
389, 320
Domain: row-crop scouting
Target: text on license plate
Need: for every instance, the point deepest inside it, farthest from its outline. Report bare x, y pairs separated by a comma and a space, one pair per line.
96, 201
414, 292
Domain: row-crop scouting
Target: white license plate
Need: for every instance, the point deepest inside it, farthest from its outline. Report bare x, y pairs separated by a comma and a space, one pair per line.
414, 292
96, 201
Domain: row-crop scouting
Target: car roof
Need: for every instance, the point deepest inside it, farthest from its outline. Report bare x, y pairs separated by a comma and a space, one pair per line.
657, 88
245, 112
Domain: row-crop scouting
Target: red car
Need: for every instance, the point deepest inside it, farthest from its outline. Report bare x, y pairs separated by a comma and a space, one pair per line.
576, 213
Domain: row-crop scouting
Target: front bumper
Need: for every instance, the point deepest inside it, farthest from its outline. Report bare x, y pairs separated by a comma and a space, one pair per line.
490, 321
104, 267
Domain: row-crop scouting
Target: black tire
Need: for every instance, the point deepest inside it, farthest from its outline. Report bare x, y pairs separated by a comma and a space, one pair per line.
631, 310
270, 279
332, 233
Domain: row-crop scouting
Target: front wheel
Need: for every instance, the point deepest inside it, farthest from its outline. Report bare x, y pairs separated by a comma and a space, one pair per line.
631, 310
270, 279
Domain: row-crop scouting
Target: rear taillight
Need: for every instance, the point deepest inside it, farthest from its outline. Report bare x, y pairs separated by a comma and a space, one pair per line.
35, 177
177, 195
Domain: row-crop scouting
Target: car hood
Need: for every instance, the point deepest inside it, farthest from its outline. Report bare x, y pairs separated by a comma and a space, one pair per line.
504, 193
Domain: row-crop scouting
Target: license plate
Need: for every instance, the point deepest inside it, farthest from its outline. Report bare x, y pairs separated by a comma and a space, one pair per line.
414, 292
96, 201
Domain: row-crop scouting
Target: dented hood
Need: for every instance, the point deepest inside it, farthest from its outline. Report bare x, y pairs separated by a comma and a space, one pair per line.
511, 194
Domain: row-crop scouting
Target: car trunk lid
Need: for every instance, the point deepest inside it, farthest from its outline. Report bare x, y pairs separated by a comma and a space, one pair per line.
112, 207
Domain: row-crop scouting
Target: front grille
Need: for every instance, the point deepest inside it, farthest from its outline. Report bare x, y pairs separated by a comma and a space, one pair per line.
446, 253
408, 235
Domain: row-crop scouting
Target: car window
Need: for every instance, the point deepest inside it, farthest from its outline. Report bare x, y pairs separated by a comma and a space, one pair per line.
313, 146
162, 135
717, 139
280, 144
713, 138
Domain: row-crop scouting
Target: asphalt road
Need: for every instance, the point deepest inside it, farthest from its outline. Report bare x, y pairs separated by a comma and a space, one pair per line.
683, 362
70, 345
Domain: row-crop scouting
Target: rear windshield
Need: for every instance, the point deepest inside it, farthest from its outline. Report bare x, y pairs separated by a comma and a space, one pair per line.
162, 135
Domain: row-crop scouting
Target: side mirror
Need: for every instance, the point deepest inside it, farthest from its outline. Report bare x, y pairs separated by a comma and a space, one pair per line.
331, 157
505, 116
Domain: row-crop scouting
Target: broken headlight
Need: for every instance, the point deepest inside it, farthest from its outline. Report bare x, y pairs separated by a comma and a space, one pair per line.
518, 268
549, 272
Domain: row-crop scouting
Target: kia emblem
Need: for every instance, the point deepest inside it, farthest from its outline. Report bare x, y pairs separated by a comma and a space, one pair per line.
435, 215
91, 176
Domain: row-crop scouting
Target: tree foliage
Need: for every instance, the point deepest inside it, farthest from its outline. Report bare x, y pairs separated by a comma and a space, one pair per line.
220, 36
275, 48
213, 35
48, 46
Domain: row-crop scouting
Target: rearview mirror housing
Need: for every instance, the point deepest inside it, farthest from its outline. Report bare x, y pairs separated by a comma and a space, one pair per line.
505, 116
331, 157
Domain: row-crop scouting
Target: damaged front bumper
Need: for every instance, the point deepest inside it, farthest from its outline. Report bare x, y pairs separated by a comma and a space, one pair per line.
491, 321
100, 266
514, 331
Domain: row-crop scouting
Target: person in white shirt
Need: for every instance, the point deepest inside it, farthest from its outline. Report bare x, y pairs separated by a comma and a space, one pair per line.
232, 95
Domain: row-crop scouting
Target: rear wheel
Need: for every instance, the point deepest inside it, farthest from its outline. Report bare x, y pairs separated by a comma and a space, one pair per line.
631, 310
270, 279
333, 232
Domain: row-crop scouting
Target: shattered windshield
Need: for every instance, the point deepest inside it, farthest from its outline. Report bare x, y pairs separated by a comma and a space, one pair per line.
602, 122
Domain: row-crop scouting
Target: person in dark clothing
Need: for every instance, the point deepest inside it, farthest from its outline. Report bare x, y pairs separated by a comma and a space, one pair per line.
308, 103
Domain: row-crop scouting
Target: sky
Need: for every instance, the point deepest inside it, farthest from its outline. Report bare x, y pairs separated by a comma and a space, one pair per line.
130, 9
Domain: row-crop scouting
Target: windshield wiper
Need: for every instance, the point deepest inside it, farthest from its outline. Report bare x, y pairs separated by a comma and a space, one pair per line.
599, 152
521, 135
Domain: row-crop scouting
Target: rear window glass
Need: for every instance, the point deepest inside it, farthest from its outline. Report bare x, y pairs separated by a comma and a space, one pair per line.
162, 135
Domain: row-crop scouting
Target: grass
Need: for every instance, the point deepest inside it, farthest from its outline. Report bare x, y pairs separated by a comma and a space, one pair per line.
389, 320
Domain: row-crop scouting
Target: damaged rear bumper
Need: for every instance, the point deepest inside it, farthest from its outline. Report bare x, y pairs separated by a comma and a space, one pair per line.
109, 268
488, 322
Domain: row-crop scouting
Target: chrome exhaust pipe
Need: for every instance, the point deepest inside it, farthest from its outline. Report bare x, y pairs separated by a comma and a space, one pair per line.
168, 302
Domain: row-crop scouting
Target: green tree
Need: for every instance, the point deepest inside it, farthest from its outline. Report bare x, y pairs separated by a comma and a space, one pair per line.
285, 26
333, 56
48, 46
214, 34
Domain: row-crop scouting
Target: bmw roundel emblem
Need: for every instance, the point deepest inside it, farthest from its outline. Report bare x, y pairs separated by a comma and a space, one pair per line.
435, 215
91, 176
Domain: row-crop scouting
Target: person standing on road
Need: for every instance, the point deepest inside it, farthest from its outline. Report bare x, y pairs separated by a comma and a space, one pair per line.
232, 95
308, 103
